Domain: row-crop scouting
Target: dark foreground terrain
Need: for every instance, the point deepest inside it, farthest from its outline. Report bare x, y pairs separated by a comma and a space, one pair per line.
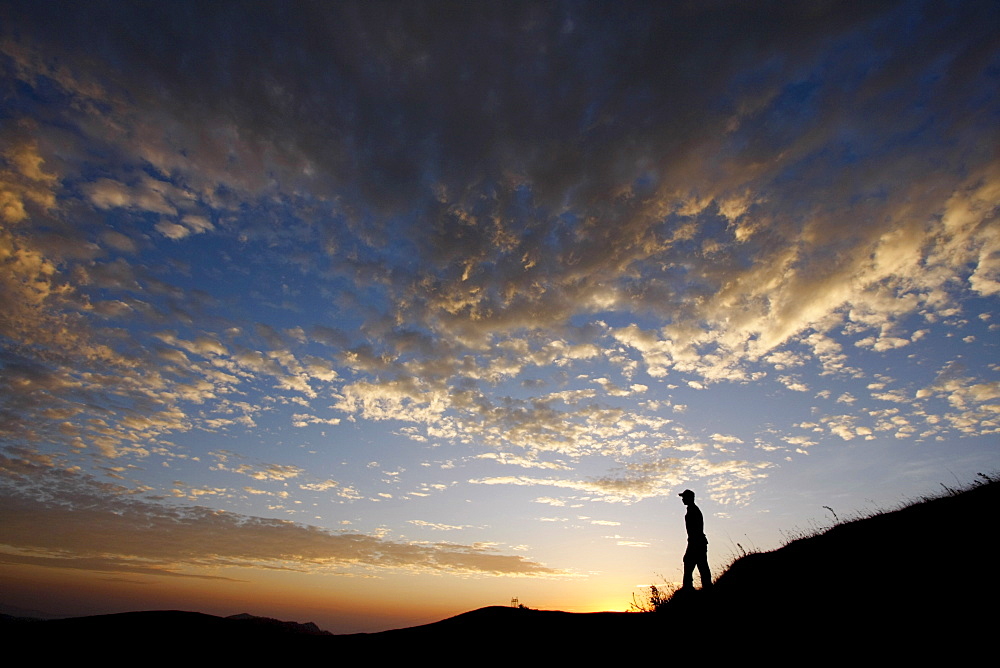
918, 584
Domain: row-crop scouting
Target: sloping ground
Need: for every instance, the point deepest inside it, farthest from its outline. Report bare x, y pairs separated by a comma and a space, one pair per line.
519, 633
920, 577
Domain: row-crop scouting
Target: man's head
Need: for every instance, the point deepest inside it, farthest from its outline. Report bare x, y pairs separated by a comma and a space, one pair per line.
687, 496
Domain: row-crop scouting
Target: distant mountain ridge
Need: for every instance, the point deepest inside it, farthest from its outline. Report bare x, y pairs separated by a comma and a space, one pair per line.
307, 628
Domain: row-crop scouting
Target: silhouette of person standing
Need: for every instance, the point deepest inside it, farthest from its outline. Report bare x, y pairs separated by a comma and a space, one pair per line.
697, 547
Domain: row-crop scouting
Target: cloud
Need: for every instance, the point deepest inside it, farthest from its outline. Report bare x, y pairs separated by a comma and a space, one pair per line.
76, 523
524, 462
438, 526
637, 481
762, 278
172, 230
792, 383
631, 543
255, 470
148, 195
548, 500
423, 219
304, 420
458, 293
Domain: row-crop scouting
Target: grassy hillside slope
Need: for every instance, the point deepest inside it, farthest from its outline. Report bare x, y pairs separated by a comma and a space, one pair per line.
923, 576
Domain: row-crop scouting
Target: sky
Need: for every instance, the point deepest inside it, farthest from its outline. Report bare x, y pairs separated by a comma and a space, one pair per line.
373, 313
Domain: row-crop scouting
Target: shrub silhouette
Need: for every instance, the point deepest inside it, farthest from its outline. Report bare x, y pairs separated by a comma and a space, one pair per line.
654, 600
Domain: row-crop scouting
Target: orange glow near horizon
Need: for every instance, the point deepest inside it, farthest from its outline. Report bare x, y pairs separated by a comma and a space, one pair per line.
336, 603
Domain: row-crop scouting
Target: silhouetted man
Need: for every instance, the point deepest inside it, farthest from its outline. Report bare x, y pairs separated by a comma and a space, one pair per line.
697, 549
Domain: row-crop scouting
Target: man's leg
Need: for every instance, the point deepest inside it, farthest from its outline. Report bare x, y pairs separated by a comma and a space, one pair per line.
704, 572
689, 563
